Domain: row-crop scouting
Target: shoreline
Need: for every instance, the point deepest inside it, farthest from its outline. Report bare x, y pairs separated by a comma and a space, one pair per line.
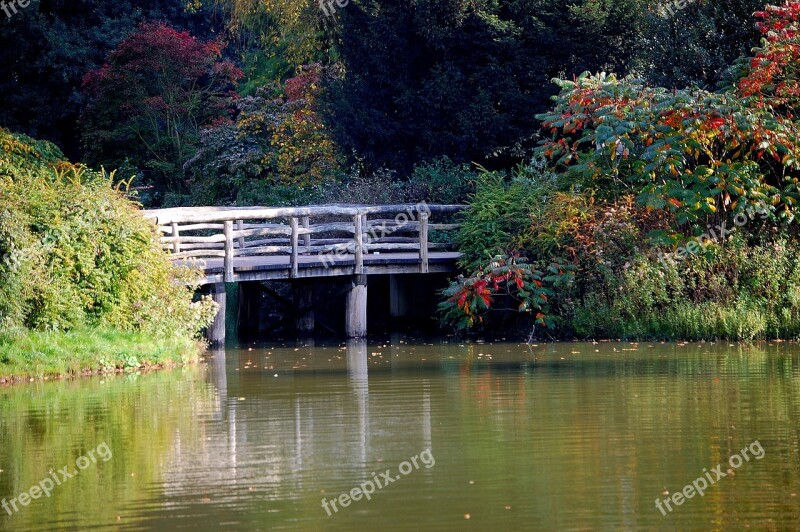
33, 356
168, 354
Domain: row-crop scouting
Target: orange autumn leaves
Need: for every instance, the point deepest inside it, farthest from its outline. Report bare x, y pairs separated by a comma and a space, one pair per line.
695, 153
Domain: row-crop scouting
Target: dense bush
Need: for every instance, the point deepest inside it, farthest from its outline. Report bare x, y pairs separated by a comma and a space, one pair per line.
738, 291
499, 213
76, 253
743, 286
642, 171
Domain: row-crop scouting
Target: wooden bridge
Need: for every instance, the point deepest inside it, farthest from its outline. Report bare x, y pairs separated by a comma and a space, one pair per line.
234, 245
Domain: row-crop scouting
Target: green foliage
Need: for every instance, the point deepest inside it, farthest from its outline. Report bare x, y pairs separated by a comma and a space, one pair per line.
500, 211
642, 169
738, 291
77, 253
276, 148
442, 181
695, 45
147, 105
426, 78
276, 36
702, 156
47, 48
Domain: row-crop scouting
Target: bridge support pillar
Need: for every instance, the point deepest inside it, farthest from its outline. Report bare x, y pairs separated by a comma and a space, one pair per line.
216, 332
356, 311
398, 300
303, 296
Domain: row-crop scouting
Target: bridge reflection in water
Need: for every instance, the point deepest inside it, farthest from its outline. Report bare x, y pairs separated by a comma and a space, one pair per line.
275, 420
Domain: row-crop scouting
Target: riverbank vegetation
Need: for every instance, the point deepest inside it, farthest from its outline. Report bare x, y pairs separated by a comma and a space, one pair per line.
76, 256
675, 209
654, 202
29, 354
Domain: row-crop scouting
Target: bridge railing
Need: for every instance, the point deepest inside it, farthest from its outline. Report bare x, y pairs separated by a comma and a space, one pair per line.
332, 232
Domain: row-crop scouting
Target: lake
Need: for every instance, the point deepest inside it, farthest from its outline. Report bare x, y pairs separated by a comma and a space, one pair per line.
404, 434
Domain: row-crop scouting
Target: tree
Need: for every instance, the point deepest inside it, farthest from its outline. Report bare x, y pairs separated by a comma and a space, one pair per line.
426, 78
276, 141
697, 44
149, 102
273, 38
47, 48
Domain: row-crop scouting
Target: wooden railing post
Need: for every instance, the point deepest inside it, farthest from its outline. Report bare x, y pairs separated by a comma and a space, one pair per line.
306, 220
359, 240
364, 227
239, 227
229, 251
423, 242
176, 234
295, 243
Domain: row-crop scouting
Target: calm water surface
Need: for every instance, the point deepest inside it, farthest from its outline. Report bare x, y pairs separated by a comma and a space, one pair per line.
546, 437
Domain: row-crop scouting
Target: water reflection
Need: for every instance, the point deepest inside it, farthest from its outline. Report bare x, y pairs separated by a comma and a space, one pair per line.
358, 372
538, 437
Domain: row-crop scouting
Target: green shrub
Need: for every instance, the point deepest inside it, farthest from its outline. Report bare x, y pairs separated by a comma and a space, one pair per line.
735, 291
76, 253
442, 181
499, 213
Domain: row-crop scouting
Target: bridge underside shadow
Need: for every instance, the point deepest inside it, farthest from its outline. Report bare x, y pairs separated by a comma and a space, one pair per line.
333, 306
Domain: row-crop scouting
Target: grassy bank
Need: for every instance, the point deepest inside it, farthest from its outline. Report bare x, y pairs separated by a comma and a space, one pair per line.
32, 354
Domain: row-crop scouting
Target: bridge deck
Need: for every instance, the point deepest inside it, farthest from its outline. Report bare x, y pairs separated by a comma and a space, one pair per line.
278, 267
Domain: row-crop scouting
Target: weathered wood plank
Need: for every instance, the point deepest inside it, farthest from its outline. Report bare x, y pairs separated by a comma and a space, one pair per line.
229, 251
295, 242
265, 250
202, 227
240, 240
190, 247
333, 227
394, 247
283, 230
306, 223
222, 214
423, 243
194, 239
359, 242
204, 253
176, 241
